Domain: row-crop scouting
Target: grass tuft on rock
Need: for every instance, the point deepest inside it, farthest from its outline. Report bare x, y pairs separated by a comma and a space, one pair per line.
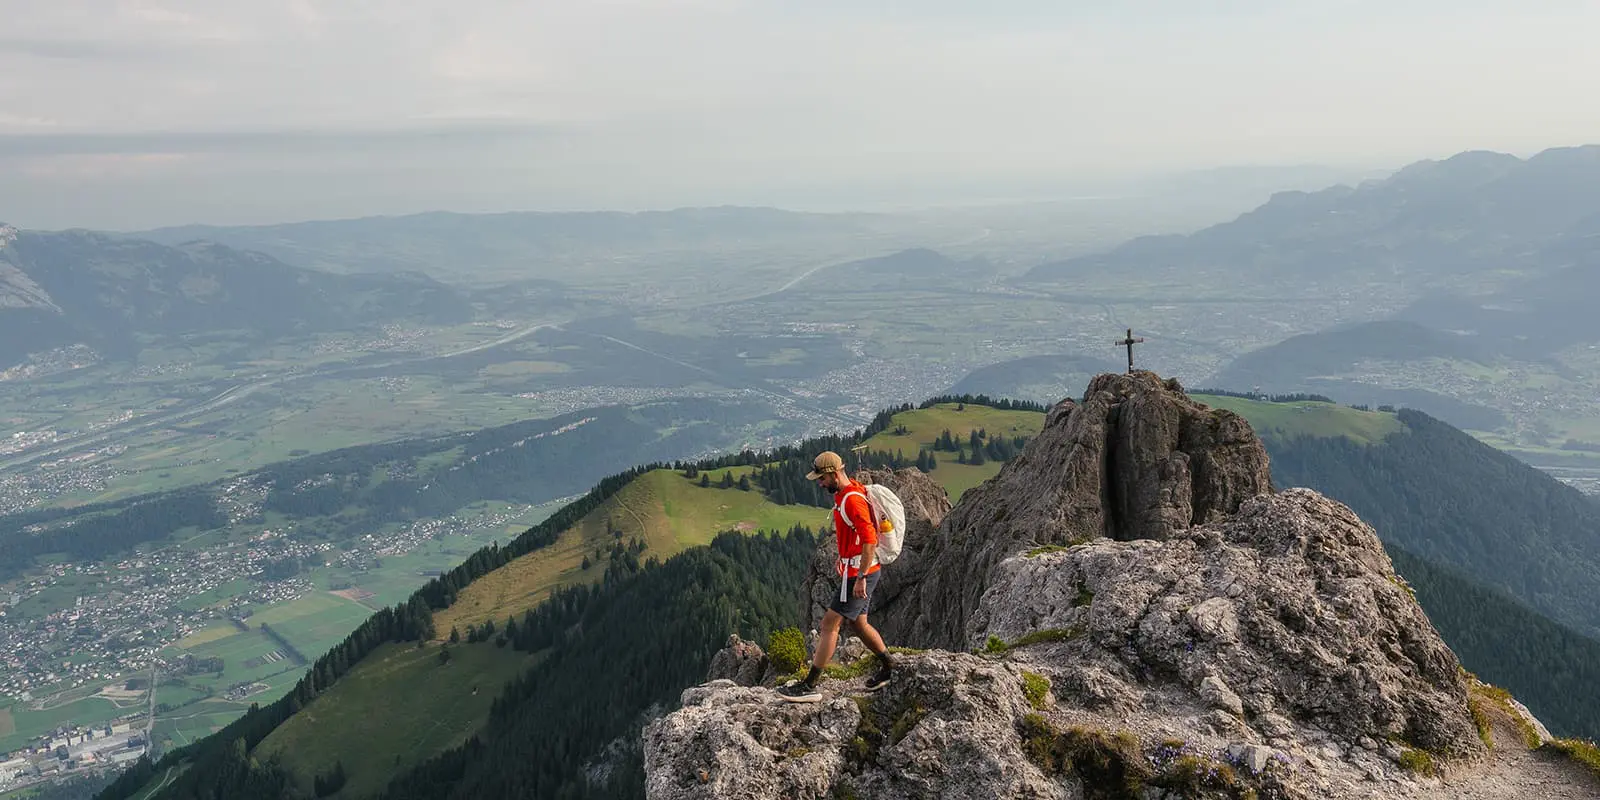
1480, 719
1048, 635
1113, 766
1483, 697
885, 720
787, 650
1417, 761
905, 721
995, 646
1192, 776
1036, 688
1582, 751
854, 669
1110, 765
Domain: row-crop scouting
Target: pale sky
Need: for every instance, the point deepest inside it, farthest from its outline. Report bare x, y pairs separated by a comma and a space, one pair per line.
133, 113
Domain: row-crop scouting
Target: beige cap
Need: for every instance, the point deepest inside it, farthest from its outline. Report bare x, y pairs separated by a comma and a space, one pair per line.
826, 462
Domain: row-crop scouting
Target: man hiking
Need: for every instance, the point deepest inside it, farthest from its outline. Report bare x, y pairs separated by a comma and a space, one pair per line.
857, 538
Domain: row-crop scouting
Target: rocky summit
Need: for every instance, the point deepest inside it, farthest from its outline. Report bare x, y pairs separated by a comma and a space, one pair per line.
1128, 610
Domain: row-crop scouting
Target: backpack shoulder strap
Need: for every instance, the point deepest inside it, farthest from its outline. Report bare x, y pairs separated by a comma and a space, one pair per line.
839, 507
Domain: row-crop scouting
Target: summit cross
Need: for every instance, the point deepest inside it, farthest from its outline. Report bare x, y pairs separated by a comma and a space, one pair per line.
1129, 341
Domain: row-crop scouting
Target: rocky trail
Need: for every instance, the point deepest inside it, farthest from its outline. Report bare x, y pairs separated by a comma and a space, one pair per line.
1515, 772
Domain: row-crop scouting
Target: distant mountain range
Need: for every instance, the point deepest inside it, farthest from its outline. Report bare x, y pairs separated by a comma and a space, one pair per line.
1536, 315
59, 289
451, 244
1484, 265
1430, 221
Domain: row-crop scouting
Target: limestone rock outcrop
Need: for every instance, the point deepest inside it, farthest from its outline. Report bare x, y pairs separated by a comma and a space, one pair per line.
1128, 610
1136, 459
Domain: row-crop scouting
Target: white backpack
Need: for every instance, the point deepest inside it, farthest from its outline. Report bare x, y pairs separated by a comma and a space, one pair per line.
885, 504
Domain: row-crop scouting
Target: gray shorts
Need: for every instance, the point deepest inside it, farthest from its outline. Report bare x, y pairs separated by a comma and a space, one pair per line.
853, 606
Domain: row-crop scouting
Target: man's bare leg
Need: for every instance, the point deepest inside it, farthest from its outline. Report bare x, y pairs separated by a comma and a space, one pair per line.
868, 635
828, 639
874, 642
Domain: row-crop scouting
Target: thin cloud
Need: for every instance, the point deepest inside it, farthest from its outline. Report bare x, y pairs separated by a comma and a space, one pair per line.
460, 133
58, 49
378, 103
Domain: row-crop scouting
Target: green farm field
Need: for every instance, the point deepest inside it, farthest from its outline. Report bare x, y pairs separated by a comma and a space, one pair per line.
25, 722
313, 623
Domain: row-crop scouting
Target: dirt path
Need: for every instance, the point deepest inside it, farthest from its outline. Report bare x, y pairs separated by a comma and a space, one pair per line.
1513, 772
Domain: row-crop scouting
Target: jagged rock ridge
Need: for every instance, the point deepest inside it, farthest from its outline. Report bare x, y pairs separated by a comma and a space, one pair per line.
1136, 459
1128, 610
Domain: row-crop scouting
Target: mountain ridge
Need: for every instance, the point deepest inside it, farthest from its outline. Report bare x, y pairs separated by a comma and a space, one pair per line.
58, 289
1430, 220
460, 244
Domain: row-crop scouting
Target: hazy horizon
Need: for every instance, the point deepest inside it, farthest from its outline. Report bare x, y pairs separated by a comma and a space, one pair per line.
129, 114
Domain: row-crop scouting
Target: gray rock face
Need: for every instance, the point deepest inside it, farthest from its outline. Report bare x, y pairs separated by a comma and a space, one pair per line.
946, 728
1137, 459
740, 661
1193, 634
732, 741
1291, 607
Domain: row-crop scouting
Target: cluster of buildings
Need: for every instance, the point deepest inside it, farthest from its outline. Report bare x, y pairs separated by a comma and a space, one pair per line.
26, 440
136, 607
892, 382
139, 604
390, 337
51, 362
72, 749
369, 550
87, 472
20, 491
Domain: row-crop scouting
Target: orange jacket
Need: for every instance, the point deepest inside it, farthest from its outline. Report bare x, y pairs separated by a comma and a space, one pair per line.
853, 526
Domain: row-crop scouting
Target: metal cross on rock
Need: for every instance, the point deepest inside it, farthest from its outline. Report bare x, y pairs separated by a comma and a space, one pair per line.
1129, 342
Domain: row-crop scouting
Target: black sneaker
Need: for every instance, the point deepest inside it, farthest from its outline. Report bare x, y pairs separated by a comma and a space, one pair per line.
799, 692
879, 679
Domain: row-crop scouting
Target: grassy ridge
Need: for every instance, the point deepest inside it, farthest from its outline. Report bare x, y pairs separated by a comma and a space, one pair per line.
402, 704
672, 513
925, 425
667, 511
1283, 421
